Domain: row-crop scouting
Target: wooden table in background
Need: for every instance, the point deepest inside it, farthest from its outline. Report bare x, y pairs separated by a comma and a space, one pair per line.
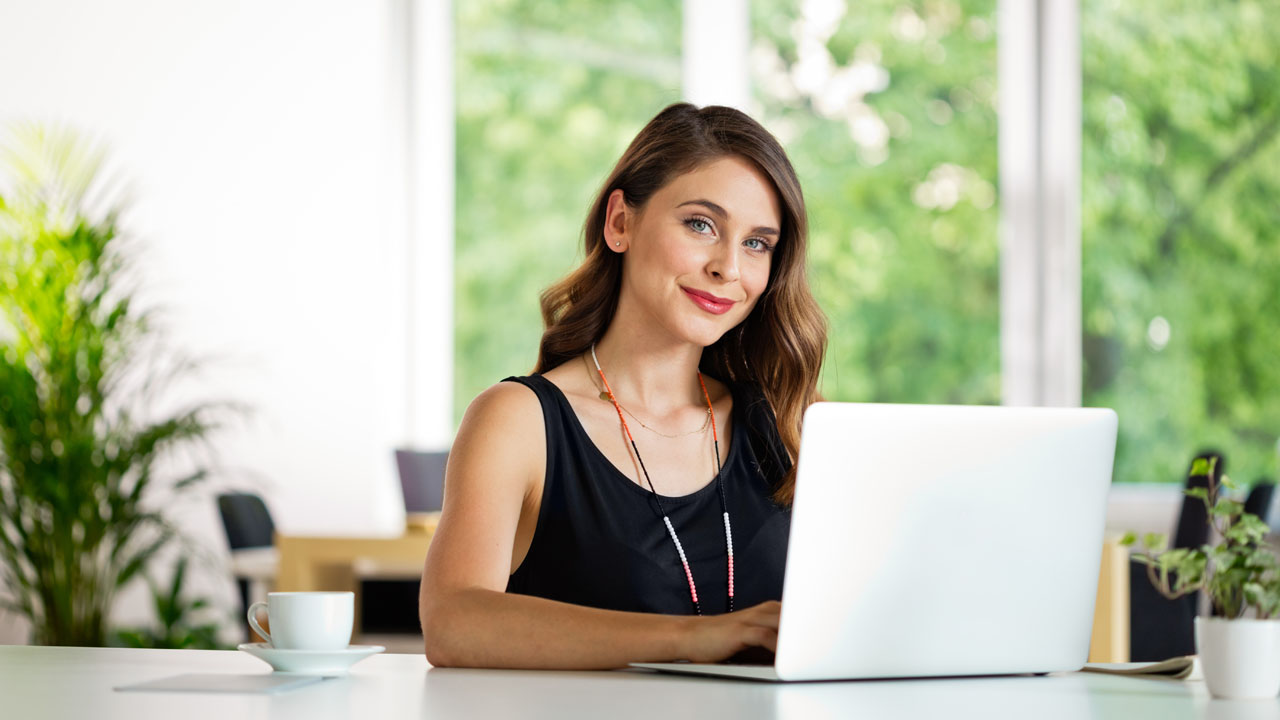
339, 563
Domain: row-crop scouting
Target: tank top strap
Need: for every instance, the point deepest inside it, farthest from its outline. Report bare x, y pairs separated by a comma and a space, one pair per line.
545, 391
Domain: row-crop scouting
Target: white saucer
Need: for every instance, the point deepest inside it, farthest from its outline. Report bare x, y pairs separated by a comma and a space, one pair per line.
311, 662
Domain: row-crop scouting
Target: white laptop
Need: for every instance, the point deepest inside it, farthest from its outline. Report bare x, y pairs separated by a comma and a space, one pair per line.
932, 541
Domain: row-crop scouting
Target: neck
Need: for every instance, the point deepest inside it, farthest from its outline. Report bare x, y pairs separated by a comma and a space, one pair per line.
660, 379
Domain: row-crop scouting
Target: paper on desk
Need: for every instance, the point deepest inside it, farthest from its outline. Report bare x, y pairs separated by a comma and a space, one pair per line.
258, 683
1186, 667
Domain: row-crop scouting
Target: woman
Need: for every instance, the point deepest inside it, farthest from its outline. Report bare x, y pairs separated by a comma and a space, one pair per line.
629, 501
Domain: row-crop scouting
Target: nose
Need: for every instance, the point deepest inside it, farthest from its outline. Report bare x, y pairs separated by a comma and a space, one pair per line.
723, 263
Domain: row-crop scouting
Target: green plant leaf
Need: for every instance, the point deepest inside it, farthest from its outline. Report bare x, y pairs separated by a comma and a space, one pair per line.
139, 560
1227, 507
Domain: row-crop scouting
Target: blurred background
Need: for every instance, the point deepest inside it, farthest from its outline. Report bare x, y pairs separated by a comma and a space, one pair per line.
889, 112
350, 207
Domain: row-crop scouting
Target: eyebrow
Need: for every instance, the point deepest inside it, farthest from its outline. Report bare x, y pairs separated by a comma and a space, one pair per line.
717, 210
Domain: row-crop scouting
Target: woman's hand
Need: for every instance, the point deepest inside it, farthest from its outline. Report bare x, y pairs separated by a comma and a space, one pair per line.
717, 637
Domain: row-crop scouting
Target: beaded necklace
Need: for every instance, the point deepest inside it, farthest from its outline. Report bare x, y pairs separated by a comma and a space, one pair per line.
605, 396
724, 507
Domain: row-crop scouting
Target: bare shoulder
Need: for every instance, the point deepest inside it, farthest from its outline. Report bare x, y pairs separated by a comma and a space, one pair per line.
502, 426
494, 472
495, 469
509, 401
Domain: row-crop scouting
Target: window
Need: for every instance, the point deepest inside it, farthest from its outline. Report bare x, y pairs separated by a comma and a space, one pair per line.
888, 112
1181, 231
548, 96
888, 109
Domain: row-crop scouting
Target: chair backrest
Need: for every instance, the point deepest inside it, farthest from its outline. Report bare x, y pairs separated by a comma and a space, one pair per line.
246, 520
1260, 500
1193, 522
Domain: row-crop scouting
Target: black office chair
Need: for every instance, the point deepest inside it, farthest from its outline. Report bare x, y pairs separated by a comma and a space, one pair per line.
1160, 628
248, 524
1260, 500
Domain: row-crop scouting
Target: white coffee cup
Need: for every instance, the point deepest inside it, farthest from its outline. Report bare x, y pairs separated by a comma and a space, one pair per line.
306, 620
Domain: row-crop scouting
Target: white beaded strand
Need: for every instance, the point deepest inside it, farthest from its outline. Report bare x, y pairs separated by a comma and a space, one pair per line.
728, 541
684, 561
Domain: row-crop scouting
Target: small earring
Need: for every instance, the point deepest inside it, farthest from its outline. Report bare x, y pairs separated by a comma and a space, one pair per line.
618, 244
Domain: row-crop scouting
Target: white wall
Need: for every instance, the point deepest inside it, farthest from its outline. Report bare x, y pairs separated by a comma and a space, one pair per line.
265, 145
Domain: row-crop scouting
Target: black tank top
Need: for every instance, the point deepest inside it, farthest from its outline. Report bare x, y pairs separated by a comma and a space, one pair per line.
600, 540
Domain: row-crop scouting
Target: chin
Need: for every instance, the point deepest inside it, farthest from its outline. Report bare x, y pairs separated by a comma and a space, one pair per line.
708, 334
702, 328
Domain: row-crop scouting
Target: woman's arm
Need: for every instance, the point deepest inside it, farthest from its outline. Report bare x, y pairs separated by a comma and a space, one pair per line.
487, 628
468, 619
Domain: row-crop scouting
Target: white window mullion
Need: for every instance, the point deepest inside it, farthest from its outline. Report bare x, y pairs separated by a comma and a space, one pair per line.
1039, 113
428, 111
1060, 124
715, 53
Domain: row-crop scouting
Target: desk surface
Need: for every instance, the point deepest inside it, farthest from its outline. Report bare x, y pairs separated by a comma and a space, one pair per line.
41, 682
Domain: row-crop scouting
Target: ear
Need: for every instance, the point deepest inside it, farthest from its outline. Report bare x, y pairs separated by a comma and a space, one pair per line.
618, 222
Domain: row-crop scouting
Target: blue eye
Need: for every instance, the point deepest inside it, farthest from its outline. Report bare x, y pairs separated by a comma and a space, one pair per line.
698, 225
760, 245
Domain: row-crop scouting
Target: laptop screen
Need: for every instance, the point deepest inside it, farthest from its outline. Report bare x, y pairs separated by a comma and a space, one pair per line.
422, 479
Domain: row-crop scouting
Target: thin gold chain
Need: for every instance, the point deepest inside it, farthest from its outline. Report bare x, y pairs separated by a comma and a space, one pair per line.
605, 396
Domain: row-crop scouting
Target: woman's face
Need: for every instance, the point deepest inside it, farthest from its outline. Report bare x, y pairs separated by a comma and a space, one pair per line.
698, 253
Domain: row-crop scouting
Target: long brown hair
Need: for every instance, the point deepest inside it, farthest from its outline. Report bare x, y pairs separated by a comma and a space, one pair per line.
780, 345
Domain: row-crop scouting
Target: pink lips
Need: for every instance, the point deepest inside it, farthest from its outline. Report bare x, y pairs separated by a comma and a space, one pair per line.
709, 302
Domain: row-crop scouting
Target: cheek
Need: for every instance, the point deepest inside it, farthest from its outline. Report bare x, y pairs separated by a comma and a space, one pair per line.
756, 280
666, 254
683, 259
755, 288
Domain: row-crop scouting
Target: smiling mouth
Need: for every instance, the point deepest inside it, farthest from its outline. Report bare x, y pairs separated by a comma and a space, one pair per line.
711, 303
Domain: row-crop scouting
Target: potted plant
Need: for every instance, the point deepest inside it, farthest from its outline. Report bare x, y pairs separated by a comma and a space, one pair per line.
80, 442
1240, 656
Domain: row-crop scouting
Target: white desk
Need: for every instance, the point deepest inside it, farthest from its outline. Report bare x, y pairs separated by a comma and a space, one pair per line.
39, 682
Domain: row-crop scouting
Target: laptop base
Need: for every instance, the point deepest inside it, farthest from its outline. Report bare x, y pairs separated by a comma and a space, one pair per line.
764, 673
